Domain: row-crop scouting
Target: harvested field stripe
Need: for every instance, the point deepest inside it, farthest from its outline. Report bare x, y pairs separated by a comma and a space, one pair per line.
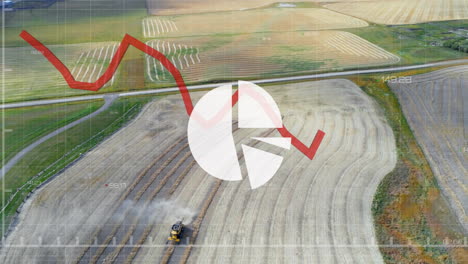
155, 27
180, 62
154, 62
161, 25
346, 43
76, 63
198, 58
113, 52
90, 79
90, 61
155, 69
105, 58
180, 178
373, 49
191, 58
185, 56
165, 25
150, 28
170, 25
85, 59
162, 70
144, 27
148, 68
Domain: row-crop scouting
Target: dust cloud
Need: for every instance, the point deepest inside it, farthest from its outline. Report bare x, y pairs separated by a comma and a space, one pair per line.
158, 211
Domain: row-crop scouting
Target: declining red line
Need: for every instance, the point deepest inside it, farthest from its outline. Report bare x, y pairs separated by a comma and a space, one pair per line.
126, 42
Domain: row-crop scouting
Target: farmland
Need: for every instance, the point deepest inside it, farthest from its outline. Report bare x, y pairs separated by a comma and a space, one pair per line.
275, 54
167, 7
434, 106
397, 12
40, 79
249, 21
147, 167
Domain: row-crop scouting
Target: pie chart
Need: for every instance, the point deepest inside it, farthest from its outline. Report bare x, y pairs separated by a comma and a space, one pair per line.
210, 133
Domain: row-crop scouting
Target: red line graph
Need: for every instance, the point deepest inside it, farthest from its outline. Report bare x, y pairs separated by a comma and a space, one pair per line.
126, 42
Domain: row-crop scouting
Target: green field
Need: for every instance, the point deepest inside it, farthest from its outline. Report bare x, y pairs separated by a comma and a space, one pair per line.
415, 44
23, 126
76, 21
55, 154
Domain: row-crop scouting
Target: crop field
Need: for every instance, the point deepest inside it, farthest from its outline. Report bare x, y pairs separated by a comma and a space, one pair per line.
249, 21
125, 194
435, 106
265, 55
41, 80
182, 56
395, 12
167, 7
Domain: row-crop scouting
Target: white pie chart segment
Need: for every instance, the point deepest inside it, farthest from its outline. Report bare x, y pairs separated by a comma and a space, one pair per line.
279, 142
257, 109
212, 144
261, 165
